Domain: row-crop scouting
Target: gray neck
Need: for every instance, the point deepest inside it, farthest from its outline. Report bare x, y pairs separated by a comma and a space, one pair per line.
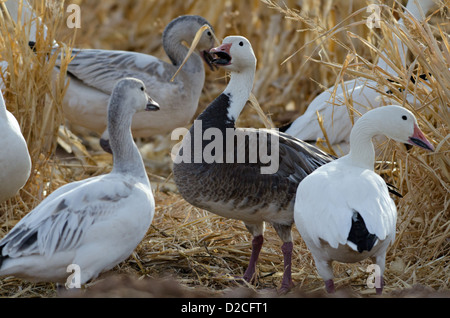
239, 89
176, 51
127, 159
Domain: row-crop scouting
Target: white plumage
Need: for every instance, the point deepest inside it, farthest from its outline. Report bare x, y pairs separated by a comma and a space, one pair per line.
331, 219
15, 161
362, 92
343, 209
94, 223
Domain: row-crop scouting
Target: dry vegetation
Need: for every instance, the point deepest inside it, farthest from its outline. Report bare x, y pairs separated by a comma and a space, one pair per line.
203, 251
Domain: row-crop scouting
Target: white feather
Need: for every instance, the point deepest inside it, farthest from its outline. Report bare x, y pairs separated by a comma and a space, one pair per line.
327, 213
15, 161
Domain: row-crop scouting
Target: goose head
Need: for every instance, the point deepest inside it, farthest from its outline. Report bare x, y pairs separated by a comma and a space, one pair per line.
133, 93
184, 29
400, 124
235, 54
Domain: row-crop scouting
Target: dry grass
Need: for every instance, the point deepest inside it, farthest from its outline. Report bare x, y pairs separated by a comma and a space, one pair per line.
195, 247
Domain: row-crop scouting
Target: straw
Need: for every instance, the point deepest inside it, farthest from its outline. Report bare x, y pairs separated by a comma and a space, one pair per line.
195, 41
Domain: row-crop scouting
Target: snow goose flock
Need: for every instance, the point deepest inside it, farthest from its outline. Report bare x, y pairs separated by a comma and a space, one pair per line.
343, 210
340, 206
95, 223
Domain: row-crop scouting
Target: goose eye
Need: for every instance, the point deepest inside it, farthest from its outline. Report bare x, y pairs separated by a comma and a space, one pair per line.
404, 117
241, 43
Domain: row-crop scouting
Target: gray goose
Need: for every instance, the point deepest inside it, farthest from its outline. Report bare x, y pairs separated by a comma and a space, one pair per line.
93, 74
243, 190
94, 223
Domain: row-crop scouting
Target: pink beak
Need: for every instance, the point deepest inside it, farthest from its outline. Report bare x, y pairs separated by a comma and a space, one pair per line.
419, 139
222, 48
222, 56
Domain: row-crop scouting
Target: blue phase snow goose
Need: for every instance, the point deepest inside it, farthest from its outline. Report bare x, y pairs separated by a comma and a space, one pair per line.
241, 173
343, 210
93, 74
94, 223
362, 92
15, 161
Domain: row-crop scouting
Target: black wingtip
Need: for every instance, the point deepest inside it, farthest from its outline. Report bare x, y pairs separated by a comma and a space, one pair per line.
1, 257
32, 45
285, 127
394, 190
359, 235
105, 145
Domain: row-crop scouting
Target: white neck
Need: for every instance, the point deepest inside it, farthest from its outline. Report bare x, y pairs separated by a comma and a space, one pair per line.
3, 109
413, 8
239, 89
362, 152
419, 13
28, 16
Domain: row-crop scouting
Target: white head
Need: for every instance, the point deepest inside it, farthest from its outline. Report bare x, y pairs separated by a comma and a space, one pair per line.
235, 54
131, 92
398, 123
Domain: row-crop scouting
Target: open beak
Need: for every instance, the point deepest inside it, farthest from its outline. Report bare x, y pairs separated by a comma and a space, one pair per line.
419, 139
151, 104
221, 54
208, 58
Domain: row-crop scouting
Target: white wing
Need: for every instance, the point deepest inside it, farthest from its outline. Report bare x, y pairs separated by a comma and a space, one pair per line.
61, 221
327, 199
334, 112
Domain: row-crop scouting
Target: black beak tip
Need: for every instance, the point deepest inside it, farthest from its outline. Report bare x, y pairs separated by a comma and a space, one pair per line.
420, 143
208, 58
152, 106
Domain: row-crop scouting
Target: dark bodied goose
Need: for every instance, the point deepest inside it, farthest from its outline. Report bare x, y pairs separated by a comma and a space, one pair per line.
95, 223
93, 74
363, 93
256, 188
343, 210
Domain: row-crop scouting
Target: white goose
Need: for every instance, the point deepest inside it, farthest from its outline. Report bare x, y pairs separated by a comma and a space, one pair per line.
95, 223
93, 74
343, 210
236, 187
15, 161
361, 91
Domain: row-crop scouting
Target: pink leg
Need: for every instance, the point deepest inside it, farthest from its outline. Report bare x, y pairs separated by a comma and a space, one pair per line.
256, 248
379, 290
329, 286
286, 283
